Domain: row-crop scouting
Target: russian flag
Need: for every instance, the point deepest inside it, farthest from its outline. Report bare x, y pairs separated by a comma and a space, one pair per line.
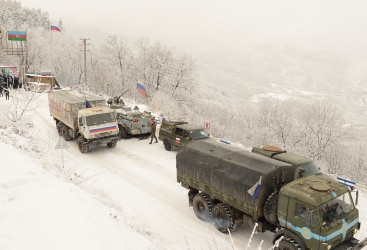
140, 87
255, 189
87, 104
55, 28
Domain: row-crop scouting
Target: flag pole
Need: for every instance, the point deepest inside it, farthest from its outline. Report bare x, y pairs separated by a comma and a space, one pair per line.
52, 78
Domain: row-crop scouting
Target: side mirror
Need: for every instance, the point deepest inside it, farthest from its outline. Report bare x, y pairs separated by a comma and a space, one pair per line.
300, 172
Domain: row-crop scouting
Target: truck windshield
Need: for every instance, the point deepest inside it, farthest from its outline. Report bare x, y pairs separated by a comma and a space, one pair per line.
310, 169
198, 134
100, 119
336, 208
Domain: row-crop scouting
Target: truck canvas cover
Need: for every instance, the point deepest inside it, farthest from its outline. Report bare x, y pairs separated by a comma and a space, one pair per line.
64, 105
232, 171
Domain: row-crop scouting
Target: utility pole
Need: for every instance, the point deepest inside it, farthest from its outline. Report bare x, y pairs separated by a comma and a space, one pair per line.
85, 57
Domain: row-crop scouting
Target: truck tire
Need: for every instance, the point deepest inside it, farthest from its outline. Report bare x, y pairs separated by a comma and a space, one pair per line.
271, 208
112, 144
65, 133
289, 244
82, 145
223, 218
59, 127
123, 133
167, 145
202, 205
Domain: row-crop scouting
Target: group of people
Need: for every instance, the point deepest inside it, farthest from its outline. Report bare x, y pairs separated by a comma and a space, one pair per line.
10, 82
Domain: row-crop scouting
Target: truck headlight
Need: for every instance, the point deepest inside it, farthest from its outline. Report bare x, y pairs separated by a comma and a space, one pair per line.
355, 230
329, 246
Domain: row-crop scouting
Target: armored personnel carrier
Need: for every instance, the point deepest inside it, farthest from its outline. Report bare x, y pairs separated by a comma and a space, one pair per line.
131, 122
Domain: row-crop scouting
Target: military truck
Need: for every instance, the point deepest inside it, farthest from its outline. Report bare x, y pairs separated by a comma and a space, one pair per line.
177, 133
228, 186
90, 126
130, 122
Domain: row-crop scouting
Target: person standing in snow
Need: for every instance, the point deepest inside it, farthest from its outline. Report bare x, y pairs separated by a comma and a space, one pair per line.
1, 90
6, 94
153, 126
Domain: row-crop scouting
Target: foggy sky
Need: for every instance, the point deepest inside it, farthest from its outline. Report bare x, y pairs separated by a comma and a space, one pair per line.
232, 26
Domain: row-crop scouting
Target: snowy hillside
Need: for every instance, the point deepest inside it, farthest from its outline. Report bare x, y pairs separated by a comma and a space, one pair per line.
121, 198
235, 81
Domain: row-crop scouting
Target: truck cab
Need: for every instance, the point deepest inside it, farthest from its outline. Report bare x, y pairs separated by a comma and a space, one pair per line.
177, 133
315, 213
94, 122
97, 125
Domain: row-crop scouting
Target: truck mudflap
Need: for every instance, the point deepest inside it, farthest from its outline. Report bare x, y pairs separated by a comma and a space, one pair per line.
352, 244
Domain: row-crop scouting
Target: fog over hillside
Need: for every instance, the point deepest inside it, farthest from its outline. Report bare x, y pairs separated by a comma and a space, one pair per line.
288, 75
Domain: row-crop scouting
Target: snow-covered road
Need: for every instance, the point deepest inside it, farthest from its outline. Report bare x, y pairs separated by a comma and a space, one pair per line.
141, 179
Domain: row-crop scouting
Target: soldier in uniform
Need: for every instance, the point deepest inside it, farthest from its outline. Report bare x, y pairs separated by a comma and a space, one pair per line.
153, 125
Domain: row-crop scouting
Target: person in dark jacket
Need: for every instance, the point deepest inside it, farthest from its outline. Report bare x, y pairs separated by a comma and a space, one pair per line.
1, 90
15, 82
6, 94
153, 126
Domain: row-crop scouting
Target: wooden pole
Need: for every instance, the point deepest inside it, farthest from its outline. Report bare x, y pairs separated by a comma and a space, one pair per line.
85, 58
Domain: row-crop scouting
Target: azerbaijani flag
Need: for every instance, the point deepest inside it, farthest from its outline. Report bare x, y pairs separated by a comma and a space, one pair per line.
55, 28
140, 87
17, 35
46, 73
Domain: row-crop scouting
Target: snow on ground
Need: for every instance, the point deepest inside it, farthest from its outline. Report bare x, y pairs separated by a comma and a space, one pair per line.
121, 198
41, 211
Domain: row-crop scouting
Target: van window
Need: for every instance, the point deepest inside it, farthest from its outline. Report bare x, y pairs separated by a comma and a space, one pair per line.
178, 131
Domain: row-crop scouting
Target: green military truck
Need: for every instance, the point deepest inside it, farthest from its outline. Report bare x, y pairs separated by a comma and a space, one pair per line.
90, 126
228, 186
177, 133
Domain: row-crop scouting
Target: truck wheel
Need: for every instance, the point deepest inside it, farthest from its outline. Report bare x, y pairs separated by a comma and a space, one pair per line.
59, 127
271, 208
65, 133
123, 133
111, 144
289, 244
82, 145
223, 218
202, 206
167, 145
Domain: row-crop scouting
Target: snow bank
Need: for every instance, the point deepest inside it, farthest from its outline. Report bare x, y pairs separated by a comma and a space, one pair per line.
41, 211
